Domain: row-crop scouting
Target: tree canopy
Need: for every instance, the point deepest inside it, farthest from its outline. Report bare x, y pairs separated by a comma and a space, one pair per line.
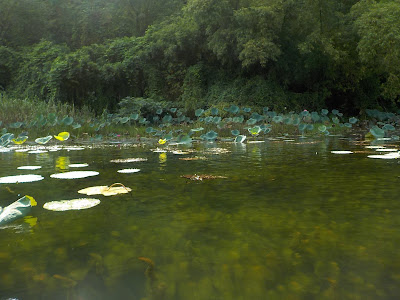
301, 54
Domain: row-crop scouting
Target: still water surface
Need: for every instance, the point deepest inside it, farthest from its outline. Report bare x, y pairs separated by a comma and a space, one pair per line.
290, 221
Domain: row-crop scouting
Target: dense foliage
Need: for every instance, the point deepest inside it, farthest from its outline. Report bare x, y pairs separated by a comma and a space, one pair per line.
295, 54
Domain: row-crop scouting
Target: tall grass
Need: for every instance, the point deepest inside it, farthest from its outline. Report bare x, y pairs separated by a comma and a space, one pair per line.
25, 110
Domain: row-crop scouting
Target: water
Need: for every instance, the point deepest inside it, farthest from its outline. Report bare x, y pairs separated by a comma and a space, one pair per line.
290, 221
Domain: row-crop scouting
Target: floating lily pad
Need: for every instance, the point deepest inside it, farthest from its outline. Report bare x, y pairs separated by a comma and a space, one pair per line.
128, 171
387, 150
75, 204
29, 167
342, 152
106, 190
128, 160
202, 177
21, 178
74, 174
37, 151
392, 155
78, 165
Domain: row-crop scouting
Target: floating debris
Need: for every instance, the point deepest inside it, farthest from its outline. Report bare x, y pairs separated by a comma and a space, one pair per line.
128, 171
374, 147
21, 178
202, 177
217, 150
106, 190
255, 142
74, 174
128, 160
74, 148
180, 152
75, 204
194, 158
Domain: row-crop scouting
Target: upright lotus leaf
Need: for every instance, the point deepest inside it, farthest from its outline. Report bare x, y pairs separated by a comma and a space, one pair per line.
149, 129
16, 125
169, 136
198, 112
247, 109
142, 120
159, 111
287, 121
167, 119
211, 135
124, 120
324, 111
173, 109
348, 125
68, 120
216, 120
388, 127
304, 113
183, 139
267, 130
235, 132
265, 110
228, 120
181, 118
335, 112
240, 139
238, 119
16, 210
214, 111
20, 140
310, 127
134, 116
277, 119
62, 136
52, 119
302, 127
353, 120
335, 120
296, 121
255, 130
377, 132
197, 129
233, 109
76, 125
322, 128
315, 116
6, 139
251, 121
43, 140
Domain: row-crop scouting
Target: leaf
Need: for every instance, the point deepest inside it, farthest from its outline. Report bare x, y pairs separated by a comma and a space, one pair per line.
240, 139
106, 190
255, 130
43, 140
32, 200
21, 178
19, 140
74, 174
62, 136
75, 204
162, 141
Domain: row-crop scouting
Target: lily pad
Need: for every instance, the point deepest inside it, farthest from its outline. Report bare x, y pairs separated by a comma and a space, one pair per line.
342, 152
128, 171
75, 204
78, 165
74, 174
106, 190
21, 178
29, 167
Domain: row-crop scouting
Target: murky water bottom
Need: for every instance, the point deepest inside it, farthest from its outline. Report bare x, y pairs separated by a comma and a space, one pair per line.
290, 221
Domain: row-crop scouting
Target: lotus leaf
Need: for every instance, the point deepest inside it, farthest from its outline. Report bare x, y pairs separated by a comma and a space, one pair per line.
304, 113
342, 152
197, 129
16, 210
214, 111
315, 117
235, 132
335, 112
124, 120
388, 127
277, 119
162, 141
74, 174
377, 132
76, 125
255, 130
19, 140
322, 128
173, 109
211, 135
393, 155
134, 117
159, 111
78, 165
16, 125
183, 139
75, 204
353, 120
251, 121
5, 139
62, 136
240, 139
198, 112
68, 120
106, 190
324, 111
348, 125
128, 171
233, 109
149, 129
29, 167
43, 140
21, 178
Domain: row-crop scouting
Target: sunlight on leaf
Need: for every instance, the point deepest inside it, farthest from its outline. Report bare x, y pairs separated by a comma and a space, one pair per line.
114, 189
21, 178
74, 174
43, 140
75, 204
62, 136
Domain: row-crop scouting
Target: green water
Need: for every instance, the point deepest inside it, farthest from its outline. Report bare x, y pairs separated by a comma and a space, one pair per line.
290, 221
